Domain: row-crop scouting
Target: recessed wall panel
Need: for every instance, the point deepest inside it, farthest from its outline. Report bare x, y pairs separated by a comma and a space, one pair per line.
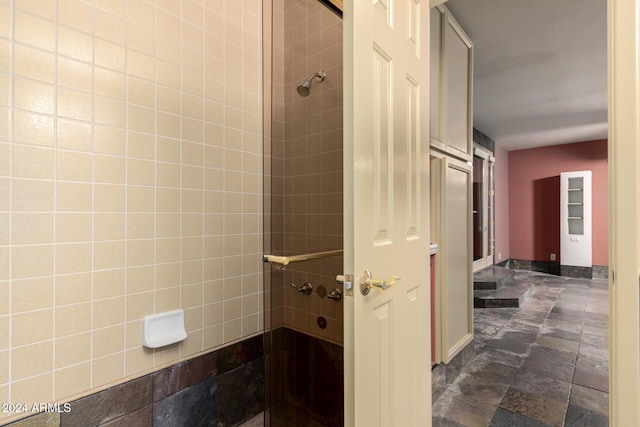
382, 146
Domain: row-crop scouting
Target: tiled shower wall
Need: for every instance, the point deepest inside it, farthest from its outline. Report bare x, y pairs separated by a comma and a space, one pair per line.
130, 184
307, 162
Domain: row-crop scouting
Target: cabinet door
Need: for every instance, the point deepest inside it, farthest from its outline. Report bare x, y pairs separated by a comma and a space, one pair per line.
435, 86
458, 72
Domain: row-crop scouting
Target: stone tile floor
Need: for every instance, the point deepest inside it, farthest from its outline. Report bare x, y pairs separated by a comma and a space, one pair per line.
545, 363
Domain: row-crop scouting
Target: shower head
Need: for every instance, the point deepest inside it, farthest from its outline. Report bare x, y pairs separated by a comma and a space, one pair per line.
304, 88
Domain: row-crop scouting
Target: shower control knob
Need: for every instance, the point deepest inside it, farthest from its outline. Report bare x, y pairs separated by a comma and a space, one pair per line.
306, 288
335, 294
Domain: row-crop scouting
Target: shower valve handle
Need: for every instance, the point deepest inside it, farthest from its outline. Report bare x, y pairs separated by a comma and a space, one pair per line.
306, 288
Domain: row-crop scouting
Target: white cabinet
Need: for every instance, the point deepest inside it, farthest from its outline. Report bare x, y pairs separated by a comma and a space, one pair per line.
451, 86
575, 218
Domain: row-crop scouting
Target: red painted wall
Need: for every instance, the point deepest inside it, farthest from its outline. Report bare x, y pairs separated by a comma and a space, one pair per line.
534, 202
501, 202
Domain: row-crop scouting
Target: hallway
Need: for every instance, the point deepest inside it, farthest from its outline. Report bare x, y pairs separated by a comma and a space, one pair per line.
545, 363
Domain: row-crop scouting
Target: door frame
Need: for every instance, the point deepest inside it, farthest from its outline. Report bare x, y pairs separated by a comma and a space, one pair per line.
623, 35
488, 209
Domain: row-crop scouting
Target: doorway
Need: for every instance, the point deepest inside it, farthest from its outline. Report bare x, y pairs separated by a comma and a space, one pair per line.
483, 202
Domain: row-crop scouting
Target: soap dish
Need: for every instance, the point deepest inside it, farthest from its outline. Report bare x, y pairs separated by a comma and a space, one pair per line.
159, 330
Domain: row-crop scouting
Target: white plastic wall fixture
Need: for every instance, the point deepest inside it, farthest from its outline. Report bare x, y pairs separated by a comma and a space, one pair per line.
162, 329
575, 219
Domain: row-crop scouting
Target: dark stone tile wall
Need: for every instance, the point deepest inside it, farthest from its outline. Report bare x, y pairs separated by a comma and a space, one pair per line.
576, 272
600, 272
222, 388
596, 271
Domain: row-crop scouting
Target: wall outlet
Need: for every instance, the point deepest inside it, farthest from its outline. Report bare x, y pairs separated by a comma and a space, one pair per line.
553, 257
499, 255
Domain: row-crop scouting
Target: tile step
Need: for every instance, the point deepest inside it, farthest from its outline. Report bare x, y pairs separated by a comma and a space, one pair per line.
493, 277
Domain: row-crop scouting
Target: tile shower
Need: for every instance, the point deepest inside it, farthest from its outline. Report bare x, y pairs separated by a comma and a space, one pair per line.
304, 194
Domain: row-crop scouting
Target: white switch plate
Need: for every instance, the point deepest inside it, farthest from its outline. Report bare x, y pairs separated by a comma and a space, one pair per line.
553, 257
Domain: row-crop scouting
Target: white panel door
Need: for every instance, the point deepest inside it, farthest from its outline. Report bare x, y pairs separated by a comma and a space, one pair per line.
386, 173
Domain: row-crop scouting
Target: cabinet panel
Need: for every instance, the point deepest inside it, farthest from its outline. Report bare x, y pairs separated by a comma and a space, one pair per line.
457, 74
436, 74
451, 86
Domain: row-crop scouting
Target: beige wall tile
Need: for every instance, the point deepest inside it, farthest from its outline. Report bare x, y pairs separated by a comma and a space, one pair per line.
109, 26
31, 261
30, 128
133, 334
72, 196
74, 104
34, 96
107, 369
109, 111
4, 368
108, 312
138, 359
140, 146
166, 354
110, 83
31, 360
140, 252
73, 227
109, 169
33, 63
167, 250
31, 294
4, 336
73, 288
33, 390
109, 140
31, 228
108, 283
232, 330
109, 198
73, 135
73, 166
139, 305
5, 21
108, 341
167, 299
72, 380
73, 349
73, 257
191, 296
5, 159
192, 344
5, 56
72, 319
140, 279
140, 172
33, 30
74, 74
4, 286
140, 199
116, 7
75, 14
140, 226
213, 336
75, 44
31, 327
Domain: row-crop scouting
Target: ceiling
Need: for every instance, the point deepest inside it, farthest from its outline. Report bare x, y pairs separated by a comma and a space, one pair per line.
540, 69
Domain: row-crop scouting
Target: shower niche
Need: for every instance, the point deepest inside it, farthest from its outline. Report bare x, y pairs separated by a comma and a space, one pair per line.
303, 215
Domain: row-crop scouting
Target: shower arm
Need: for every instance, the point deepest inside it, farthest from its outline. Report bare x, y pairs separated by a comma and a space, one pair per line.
286, 260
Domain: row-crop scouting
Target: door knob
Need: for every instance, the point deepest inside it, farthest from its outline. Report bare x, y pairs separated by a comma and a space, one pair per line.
367, 282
